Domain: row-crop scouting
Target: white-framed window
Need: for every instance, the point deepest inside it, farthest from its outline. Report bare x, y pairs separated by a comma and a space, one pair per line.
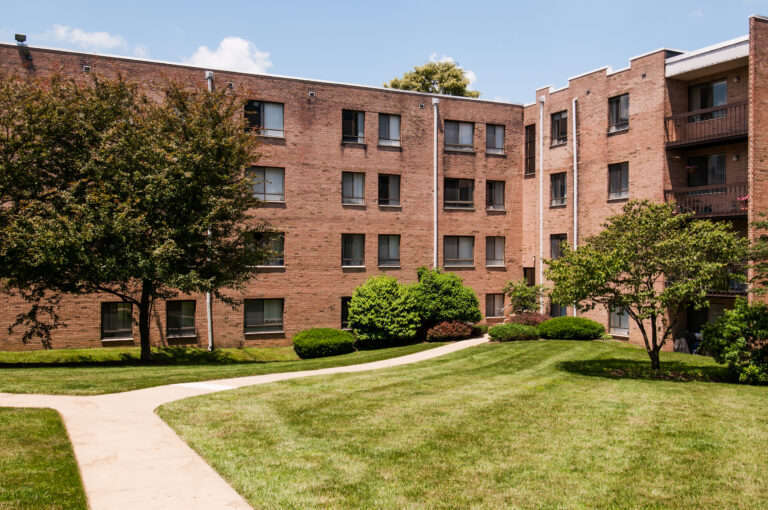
389, 130
389, 189
459, 250
459, 193
389, 250
353, 250
494, 251
352, 126
263, 316
268, 183
494, 305
618, 322
494, 195
618, 181
180, 318
494, 139
116, 321
353, 188
459, 136
265, 118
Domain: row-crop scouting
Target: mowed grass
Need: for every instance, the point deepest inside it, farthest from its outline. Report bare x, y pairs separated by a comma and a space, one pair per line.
37, 466
542, 424
98, 371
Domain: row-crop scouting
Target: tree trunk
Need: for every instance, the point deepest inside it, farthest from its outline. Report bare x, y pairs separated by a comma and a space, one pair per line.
655, 362
144, 311
654, 352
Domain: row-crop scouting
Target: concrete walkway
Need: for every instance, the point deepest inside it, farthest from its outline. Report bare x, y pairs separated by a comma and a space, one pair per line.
130, 459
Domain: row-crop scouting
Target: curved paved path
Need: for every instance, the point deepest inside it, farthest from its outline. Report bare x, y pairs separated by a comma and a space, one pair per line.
130, 459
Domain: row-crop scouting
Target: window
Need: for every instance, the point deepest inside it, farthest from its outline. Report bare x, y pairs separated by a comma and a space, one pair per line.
263, 316
345, 312
618, 322
389, 189
706, 170
265, 118
494, 139
271, 248
556, 310
116, 321
459, 250
494, 251
530, 150
705, 96
494, 195
459, 136
268, 183
555, 245
352, 250
529, 275
352, 188
180, 319
618, 181
559, 128
352, 126
459, 193
618, 113
389, 130
389, 250
494, 305
558, 189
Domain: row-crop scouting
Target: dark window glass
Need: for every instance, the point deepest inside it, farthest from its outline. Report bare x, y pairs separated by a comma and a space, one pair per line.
116, 321
530, 150
559, 128
389, 189
459, 250
267, 249
352, 249
618, 113
263, 316
268, 183
529, 275
706, 170
494, 305
494, 251
459, 135
556, 310
345, 312
180, 318
618, 181
353, 188
558, 188
494, 195
389, 130
494, 139
459, 193
389, 250
555, 245
265, 118
352, 126
705, 96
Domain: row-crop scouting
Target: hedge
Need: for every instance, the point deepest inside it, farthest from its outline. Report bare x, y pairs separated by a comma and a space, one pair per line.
571, 328
320, 342
508, 332
449, 330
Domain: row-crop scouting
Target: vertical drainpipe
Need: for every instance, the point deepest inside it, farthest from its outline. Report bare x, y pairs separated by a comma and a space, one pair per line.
541, 199
575, 184
208, 297
435, 102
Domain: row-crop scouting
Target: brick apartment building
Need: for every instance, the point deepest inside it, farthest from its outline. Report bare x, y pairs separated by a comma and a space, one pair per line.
347, 173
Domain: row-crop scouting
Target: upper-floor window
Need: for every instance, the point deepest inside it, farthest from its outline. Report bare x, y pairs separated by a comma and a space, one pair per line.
494, 139
272, 248
707, 95
459, 250
559, 128
558, 188
556, 242
389, 130
618, 113
530, 150
494, 305
268, 183
353, 188
459, 136
352, 126
389, 189
494, 251
618, 180
353, 250
116, 321
706, 170
180, 318
494, 195
265, 118
618, 322
389, 250
263, 316
459, 193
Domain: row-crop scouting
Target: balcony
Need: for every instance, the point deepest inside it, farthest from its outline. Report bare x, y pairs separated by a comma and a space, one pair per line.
725, 286
715, 200
718, 124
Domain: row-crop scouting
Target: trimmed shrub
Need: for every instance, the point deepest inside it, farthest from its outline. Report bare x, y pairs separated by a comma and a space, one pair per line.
739, 338
441, 297
509, 332
479, 330
523, 297
320, 342
382, 313
528, 318
571, 328
449, 330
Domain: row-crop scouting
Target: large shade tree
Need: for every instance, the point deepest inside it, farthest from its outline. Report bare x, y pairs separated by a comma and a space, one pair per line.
650, 262
437, 78
107, 190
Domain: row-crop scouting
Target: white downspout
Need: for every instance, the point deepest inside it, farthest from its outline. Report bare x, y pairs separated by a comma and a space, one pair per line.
541, 199
575, 184
435, 102
208, 297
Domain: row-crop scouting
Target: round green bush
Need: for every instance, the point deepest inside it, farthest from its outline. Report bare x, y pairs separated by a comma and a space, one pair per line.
571, 328
509, 332
320, 342
441, 297
382, 313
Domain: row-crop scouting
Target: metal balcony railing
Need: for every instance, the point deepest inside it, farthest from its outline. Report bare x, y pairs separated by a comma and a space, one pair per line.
708, 125
712, 200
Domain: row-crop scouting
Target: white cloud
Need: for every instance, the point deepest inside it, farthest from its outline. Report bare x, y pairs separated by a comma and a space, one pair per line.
85, 40
233, 53
471, 76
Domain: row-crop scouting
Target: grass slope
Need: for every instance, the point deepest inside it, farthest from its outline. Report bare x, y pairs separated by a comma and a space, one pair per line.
97, 371
37, 466
552, 424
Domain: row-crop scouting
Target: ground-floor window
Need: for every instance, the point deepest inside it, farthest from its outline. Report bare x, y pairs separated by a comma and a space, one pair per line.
263, 315
494, 305
618, 321
116, 321
345, 312
556, 310
180, 318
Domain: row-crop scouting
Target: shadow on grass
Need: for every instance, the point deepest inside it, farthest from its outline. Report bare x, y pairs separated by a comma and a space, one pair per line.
619, 368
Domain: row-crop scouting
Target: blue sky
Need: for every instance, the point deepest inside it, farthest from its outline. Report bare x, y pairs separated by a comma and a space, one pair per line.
510, 47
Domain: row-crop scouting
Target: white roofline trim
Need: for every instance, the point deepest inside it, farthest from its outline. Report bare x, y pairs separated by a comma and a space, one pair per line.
709, 49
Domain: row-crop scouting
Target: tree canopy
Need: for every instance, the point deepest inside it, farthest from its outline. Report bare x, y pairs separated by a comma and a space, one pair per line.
436, 78
650, 262
108, 190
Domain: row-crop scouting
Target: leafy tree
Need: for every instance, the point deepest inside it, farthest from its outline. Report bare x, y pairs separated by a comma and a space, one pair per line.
437, 78
443, 297
108, 190
651, 262
523, 297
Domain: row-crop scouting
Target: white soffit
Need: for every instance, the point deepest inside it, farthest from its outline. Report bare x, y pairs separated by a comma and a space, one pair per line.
707, 57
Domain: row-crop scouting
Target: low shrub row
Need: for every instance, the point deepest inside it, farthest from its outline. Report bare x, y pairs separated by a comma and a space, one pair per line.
560, 328
321, 342
509, 332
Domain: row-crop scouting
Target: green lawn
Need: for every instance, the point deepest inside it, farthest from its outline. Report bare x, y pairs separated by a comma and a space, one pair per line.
37, 466
97, 371
551, 424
